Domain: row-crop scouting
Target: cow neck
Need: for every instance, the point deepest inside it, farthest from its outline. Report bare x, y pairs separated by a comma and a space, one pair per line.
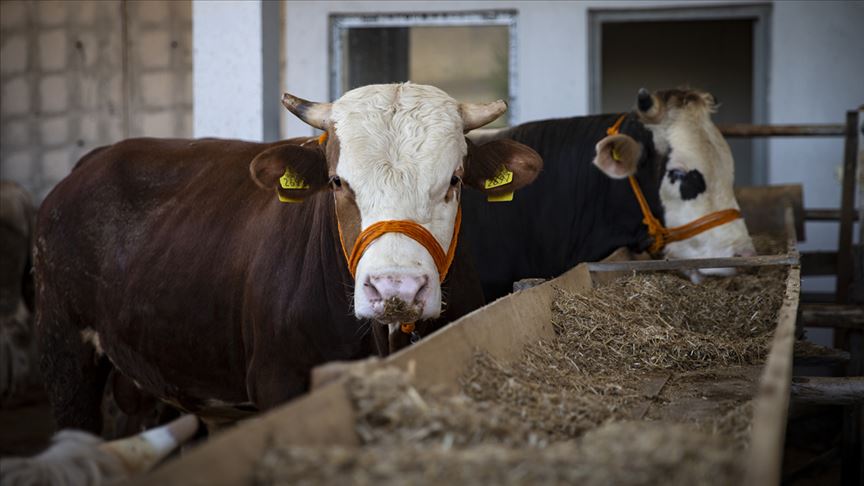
443, 260
659, 233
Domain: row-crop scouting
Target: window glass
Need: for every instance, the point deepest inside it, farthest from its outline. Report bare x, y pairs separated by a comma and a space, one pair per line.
470, 62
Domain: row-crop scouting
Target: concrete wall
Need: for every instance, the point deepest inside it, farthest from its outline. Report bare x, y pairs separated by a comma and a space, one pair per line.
236, 69
76, 75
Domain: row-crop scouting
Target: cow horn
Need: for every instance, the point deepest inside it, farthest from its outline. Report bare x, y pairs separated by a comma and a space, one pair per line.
314, 114
475, 115
141, 452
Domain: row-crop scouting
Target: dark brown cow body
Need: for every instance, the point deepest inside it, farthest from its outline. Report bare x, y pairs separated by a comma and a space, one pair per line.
163, 259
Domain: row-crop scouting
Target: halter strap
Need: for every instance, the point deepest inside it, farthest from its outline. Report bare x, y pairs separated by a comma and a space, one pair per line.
661, 234
410, 229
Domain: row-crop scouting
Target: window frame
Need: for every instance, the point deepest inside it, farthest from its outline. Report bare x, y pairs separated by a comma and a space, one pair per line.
339, 23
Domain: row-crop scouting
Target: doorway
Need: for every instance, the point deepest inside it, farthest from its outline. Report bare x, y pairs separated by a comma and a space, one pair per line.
719, 50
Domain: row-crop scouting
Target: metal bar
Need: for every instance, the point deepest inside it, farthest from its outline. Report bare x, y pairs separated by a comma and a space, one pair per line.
825, 215
847, 208
748, 130
651, 265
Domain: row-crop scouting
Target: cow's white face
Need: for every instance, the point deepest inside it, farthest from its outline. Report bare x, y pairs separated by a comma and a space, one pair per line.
400, 147
698, 177
396, 153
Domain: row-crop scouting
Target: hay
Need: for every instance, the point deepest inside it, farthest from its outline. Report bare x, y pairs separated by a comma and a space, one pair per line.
629, 453
562, 412
662, 321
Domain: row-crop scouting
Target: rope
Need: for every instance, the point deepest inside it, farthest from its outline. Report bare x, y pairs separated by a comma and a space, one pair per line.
415, 232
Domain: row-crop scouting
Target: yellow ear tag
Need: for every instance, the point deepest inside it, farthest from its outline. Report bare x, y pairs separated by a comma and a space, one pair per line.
290, 180
502, 178
506, 197
615, 154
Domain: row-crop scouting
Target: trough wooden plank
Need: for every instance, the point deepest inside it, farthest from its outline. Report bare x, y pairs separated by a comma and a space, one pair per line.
229, 458
763, 207
502, 329
771, 407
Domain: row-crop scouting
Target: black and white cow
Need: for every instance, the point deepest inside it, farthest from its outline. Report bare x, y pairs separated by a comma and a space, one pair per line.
582, 207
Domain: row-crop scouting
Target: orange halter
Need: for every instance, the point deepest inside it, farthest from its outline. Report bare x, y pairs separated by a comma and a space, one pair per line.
656, 230
410, 229
415, 232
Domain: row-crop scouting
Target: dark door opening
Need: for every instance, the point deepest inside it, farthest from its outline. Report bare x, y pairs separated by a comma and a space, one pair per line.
713, 55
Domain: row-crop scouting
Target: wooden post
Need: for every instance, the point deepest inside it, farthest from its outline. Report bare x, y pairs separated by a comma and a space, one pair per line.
847, 211
851, 449
828, 390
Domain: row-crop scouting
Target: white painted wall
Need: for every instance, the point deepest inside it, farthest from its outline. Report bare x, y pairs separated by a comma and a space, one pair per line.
817, 74
234, 69
552, 48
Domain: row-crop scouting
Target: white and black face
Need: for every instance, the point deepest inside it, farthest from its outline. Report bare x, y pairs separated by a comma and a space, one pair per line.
398, 153
699, 174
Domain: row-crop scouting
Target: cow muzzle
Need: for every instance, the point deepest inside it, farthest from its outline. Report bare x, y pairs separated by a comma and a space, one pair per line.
401, 293
397, 297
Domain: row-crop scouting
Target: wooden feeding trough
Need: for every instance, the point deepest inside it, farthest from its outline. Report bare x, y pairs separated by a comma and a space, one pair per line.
327, 416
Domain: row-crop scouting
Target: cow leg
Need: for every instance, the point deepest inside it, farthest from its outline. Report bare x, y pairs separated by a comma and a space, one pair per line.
74, 374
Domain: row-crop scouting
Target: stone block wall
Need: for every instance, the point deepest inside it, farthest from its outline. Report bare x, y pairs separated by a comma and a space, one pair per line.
76, 75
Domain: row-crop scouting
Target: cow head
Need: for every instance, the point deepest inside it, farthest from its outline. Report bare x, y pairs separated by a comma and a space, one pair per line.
397, 153
697, 177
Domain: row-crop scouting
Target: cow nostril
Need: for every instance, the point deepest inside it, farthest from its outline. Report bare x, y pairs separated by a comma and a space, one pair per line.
371, 292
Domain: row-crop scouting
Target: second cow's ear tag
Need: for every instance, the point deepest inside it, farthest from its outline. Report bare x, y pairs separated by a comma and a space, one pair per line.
502, 178
290, 181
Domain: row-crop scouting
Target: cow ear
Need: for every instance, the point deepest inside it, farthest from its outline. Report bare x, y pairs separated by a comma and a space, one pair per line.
293, 170
500, 167
618, 155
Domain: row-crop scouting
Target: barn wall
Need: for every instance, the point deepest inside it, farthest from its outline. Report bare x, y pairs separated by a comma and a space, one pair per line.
80, 74
236, 66
817, 74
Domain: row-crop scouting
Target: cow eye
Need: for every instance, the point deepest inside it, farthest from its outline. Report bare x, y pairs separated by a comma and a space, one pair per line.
455, 180
335, 182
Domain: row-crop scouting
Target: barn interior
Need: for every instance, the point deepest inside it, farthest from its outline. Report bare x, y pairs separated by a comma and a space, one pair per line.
777, 398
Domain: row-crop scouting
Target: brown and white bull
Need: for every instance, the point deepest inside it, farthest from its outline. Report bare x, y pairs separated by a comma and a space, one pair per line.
165, 260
